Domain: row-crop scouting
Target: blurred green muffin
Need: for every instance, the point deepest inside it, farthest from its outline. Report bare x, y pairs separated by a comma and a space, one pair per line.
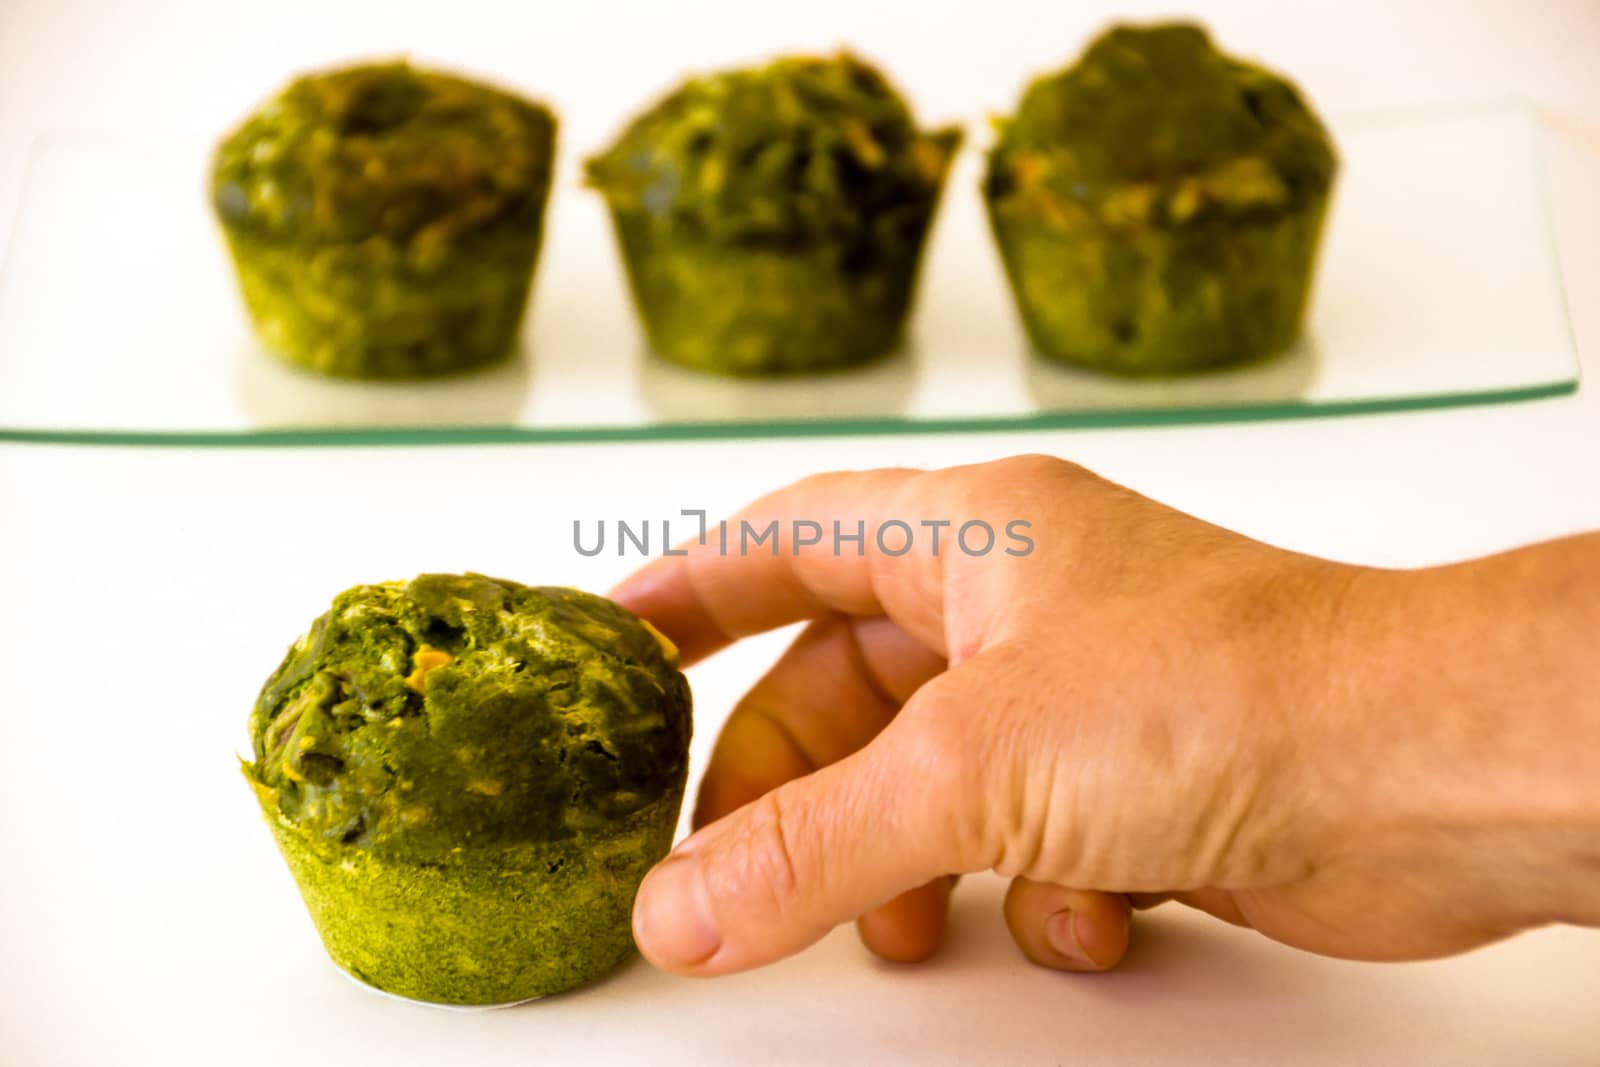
771, 219
469, 778
1158, 205
385, 220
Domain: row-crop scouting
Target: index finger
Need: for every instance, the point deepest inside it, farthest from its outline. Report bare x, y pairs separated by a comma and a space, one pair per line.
829, 543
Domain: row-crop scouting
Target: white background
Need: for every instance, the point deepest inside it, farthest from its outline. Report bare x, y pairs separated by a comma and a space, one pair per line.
144, 595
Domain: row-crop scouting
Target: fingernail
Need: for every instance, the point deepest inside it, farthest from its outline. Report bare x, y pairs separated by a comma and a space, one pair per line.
672, 918
1061, 931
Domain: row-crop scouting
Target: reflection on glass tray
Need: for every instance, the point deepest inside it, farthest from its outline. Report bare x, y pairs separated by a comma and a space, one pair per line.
119, 321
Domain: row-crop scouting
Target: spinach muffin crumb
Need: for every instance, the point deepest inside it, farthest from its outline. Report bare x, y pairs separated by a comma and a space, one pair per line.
771, 218
385, 220
468, 778
1158, 204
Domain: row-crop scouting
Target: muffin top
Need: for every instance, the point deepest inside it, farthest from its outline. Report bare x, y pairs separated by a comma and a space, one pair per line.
801, 147
385, 150
458, 713
1153, 125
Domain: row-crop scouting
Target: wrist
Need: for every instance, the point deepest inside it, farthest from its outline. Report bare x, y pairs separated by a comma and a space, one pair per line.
1465, 726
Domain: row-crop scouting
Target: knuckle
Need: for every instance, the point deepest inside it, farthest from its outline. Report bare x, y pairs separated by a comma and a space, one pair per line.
1036, 468
819, 482
760, 864
917, 493
1037, 464
998, 488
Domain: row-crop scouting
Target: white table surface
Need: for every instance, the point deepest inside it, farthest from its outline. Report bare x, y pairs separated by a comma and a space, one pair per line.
144, 916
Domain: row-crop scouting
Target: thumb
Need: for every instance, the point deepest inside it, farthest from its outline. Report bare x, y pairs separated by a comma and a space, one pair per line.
770, 878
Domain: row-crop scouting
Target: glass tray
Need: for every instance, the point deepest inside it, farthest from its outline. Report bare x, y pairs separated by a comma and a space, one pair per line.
119, 320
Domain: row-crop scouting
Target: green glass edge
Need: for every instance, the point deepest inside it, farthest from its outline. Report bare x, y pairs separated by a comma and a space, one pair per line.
1121, 418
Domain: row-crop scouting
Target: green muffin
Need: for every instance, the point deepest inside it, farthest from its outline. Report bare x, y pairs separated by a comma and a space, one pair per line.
385, 220
1158, 205
771, 219
469, 778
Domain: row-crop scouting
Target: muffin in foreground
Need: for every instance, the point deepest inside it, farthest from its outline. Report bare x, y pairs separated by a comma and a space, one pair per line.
1158, 205
468, 778
385, 220
771, 219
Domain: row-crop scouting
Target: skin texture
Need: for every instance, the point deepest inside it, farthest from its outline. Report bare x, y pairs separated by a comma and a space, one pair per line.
468, 777
1371, 764
1158, 205
771, 218
384, 220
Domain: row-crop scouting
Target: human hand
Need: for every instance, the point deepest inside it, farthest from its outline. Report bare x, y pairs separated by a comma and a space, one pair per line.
1144, 706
